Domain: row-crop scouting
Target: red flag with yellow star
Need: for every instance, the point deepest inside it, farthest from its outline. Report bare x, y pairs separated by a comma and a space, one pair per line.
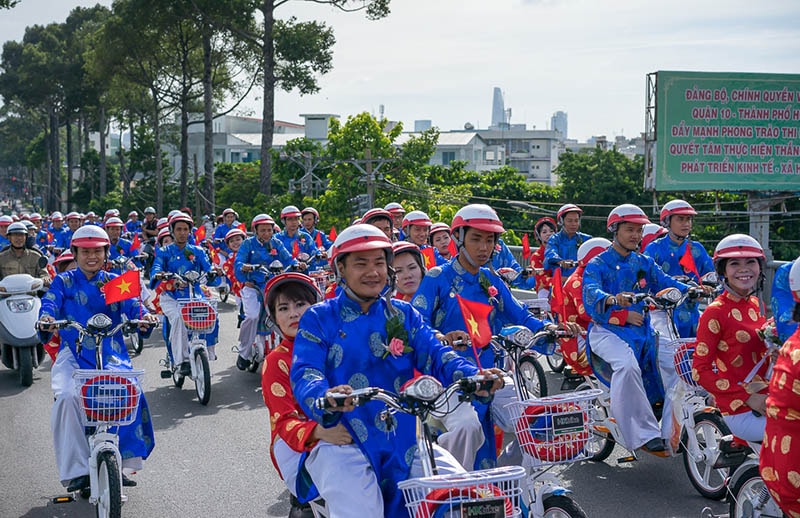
476, 319
429, 256
126, 286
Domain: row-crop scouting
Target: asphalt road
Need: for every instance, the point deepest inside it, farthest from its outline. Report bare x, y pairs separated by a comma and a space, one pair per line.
214, 461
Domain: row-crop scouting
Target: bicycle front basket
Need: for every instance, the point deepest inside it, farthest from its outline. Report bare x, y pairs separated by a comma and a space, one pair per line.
198, 314
108, 397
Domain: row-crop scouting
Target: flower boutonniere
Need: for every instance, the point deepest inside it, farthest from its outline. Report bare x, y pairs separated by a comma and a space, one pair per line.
769, 333
188, 254
486, 285
641, 281
397, 336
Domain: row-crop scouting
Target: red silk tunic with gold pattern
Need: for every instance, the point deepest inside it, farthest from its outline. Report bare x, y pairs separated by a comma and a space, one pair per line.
286, 418
728, 342
780, 452
543, 281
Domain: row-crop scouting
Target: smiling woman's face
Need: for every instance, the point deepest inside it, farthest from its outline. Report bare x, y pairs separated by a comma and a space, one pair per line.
741, 275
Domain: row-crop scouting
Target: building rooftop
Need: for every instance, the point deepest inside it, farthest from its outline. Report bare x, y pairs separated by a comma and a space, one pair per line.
460, 138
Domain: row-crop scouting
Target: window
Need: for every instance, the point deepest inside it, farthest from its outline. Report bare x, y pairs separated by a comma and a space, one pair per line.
235, 157
448, 156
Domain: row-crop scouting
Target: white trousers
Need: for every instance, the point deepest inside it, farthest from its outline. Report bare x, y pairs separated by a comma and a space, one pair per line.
629, 403
747, 426
288, 461
69, 438
348, 484
178, 336
247, 333
464, 435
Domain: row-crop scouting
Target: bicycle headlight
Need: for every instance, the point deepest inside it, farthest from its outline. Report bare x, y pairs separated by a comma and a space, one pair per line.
425, 388
100, 322
20, 305
672, 295
518, 335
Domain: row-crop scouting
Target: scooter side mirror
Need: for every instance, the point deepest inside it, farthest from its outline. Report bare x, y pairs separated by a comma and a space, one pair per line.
42, 262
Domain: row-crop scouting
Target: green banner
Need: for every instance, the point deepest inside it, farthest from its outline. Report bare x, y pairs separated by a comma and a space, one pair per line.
727, 132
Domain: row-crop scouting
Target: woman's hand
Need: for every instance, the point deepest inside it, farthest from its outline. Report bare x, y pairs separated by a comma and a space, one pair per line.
758, 402
337, 435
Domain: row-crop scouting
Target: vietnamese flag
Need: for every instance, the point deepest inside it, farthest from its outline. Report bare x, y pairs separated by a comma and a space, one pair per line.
135, 244
526, 247
452, 248
687, 261
242, 227
557, 296
295, 249
49, 237
318, 239
476, 318
332, 234
124, 287
200, 234
430, 257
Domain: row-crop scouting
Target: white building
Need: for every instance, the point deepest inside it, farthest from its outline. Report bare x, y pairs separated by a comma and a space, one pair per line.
534, 153
464, 146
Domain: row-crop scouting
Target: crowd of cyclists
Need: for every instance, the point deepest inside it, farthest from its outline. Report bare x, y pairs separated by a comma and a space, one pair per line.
381, 303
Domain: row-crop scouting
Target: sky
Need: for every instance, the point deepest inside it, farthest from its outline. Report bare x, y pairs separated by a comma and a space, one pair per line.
441, 59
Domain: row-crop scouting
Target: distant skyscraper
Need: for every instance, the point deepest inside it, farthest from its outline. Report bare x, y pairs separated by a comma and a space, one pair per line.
558, 122
498, 108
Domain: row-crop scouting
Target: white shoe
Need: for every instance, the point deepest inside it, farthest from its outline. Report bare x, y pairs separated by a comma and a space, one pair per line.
212, 355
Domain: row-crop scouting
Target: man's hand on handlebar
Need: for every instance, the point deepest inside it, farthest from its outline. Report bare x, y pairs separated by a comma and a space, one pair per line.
623, 299
337, 402
152, 319
458, 340
42, 324
497, 384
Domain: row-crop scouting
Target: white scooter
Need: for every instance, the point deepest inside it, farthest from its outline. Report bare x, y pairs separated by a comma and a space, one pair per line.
19, 309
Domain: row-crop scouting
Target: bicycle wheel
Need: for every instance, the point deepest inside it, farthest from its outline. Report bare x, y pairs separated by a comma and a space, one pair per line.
556, 361
135, 342
109, 497
560, 506
202, 384
601, 443
709, 429
531, 374
746, 497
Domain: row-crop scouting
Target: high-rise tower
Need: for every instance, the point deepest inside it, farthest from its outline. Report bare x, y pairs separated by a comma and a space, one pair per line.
498, 108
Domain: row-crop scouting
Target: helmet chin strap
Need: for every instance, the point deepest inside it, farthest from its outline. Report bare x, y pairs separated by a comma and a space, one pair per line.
631, 250
678, 238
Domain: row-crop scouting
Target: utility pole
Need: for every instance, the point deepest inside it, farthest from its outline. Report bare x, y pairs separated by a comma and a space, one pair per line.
370, 171
370, 177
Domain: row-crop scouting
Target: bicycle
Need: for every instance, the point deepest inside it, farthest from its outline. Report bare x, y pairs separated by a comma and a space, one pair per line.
495, 491
550, 430
605, 430
199, 315
109, 399
270, 340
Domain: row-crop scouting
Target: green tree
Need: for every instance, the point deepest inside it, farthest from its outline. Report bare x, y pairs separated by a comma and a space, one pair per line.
598, 180
292, 55
361, 134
